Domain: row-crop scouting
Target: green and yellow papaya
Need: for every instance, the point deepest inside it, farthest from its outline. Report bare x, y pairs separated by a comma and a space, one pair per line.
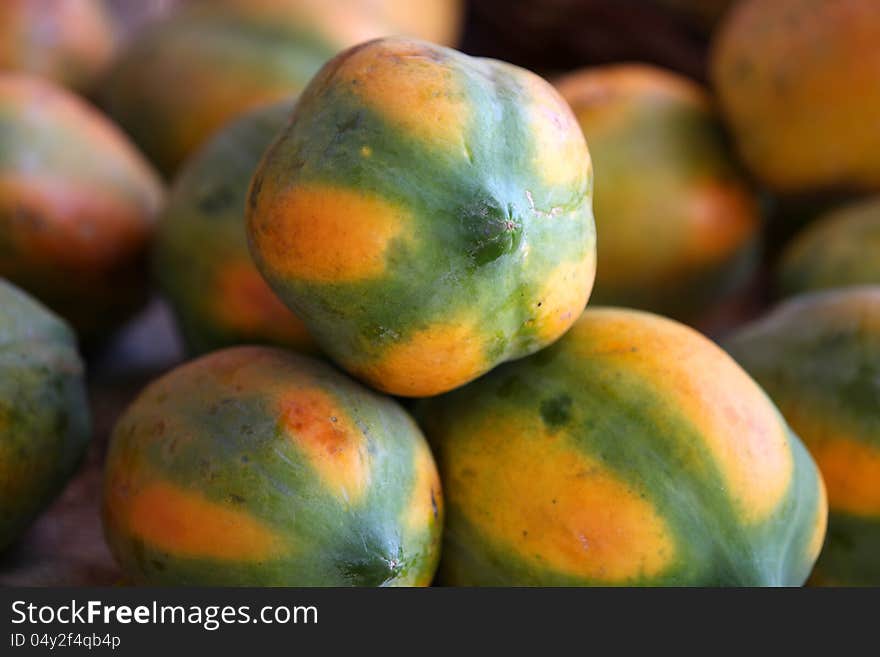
44, 413
201, 258
632, 452
256, 466
427, 214
678, 225
818, 356
842, 248
77, 205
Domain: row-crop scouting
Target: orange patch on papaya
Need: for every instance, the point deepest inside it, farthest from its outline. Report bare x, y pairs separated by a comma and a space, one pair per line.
245, 302
560, 156
325, 234
735, 420
564, 296
334, 445
535, 494
429, 361
851, 470
411, 85
185, 523
426, 500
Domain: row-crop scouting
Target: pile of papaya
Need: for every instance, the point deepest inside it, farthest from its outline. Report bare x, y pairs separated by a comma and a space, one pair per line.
444, 319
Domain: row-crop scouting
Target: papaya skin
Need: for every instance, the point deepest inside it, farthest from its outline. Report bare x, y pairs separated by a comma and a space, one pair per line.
471, 183
632, 452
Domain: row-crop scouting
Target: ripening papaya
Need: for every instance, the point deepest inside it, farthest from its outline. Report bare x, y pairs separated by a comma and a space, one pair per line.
201, 258
426, 214
68, 41
818, 356
257, 466
841, 248
678, 225
632, 452
44, 415
181, 79
77, 205
799, 85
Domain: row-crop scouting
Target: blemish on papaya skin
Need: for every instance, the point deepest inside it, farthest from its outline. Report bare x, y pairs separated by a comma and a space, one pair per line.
426, 500
556, 411
332, 443
564, 296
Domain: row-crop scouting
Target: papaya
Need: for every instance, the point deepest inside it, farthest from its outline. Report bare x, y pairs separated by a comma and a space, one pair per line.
44, 415
201, 259
841, 248
798, 83
818, 356
180, 80
257, 466
678, 224
68, 41
632, 452
426, 214
77, 205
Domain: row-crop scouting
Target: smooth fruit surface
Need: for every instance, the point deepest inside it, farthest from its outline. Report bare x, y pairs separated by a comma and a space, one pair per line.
842, 248
256, 466
632, 452
677, 224
44, 414
818, 357
426, 214
799, 84
77, 205
201, 256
